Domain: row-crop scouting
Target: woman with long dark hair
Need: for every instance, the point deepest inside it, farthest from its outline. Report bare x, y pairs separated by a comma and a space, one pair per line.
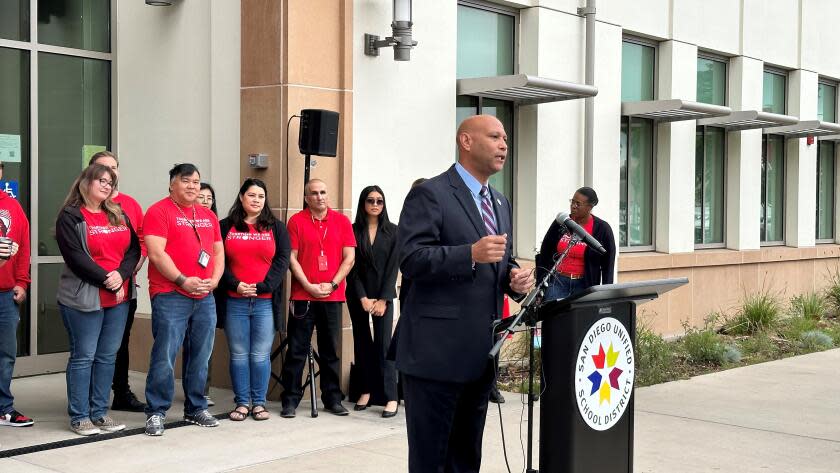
100, 250
256, 259
583, 266
371, 290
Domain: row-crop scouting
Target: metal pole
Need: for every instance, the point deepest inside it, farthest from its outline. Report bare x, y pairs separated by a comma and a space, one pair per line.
589, 103
531, 400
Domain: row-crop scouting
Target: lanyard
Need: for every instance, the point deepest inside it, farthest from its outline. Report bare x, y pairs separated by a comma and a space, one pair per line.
320, 237
190, 223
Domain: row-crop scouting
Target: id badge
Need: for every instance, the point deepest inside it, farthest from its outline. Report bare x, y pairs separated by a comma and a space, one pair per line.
322, 262
203, 259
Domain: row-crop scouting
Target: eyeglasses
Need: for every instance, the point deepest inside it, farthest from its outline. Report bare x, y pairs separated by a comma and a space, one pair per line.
576, 203
105, 182
372, 201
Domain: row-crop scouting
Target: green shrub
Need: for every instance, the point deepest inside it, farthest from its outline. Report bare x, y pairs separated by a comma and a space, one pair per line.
791, 328
832, 292
758, 313
654, 360
810, 306
704, 347
815, 340
759, 347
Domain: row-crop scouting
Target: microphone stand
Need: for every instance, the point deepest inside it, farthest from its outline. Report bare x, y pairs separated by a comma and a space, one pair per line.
528, 315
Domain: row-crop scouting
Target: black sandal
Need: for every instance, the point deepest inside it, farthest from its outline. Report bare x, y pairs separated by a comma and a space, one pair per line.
237, 415
261, 414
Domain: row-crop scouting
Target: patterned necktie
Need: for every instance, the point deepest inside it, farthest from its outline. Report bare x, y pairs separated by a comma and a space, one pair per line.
487, 211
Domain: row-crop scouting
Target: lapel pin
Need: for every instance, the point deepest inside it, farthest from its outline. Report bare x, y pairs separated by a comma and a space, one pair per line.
499, 201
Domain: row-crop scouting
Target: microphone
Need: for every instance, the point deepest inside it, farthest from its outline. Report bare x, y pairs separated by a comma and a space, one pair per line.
564, 219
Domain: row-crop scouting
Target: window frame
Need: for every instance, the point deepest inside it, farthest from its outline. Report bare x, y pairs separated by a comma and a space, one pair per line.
512, 136
654, 154
833, 225
36, 362
763, 230
722, 59
721, 244
779, 72
830, 83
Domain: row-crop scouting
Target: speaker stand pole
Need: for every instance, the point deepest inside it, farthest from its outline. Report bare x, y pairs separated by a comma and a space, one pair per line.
307, 165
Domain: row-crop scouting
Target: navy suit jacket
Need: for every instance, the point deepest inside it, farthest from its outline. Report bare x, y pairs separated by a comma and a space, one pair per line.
445, 328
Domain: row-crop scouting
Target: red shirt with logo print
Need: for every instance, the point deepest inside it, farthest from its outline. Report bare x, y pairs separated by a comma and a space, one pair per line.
107, 245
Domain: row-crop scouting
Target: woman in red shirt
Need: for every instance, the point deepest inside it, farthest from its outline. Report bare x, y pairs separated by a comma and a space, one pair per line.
100, 250
256, 259
583, 267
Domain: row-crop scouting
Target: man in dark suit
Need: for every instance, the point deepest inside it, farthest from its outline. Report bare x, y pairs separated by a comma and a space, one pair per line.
454, 230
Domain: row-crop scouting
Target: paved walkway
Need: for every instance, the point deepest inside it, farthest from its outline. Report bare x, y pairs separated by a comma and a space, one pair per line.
782, 416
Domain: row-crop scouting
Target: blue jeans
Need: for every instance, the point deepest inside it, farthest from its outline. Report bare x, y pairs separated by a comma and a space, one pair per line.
175, 317
250, 331
94, 338
562, 287
9, 317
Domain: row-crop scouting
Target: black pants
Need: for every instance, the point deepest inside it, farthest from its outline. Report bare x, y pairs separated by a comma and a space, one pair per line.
326, 317
120, 382
445, 423
377, 373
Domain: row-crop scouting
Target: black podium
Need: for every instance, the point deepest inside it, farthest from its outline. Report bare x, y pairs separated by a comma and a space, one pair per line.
586, 413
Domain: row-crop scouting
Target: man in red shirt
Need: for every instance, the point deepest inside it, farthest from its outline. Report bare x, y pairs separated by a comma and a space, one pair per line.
124, 399
187, 260
14, 279
323, 252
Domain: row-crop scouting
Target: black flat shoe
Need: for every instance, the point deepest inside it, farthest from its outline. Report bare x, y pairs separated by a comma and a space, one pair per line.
496, 396
127, 402
360, 407
336, 409
389, 414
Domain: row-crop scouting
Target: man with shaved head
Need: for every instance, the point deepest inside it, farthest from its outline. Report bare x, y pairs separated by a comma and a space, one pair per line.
456, 249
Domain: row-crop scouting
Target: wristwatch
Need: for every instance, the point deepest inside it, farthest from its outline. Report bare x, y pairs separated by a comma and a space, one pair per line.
334, 285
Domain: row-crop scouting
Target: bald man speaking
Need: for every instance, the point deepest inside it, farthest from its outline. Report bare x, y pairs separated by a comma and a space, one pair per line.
456, 249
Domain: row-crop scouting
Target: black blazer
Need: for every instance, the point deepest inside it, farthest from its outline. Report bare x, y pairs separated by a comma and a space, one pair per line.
272, 283
597, 269
374, 275
445, 330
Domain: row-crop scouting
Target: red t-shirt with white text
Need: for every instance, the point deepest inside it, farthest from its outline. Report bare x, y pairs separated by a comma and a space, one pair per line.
107, 245
135, 215
166, 219
574, 262
312, 237
249, 255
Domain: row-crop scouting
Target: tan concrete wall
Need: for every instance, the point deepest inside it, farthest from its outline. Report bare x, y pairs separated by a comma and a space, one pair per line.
719, 279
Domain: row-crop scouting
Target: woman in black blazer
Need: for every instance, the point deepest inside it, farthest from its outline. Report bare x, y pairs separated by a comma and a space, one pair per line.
371, 290
583, 266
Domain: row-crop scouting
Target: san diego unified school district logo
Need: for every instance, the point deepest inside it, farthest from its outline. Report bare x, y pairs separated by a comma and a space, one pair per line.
604, 374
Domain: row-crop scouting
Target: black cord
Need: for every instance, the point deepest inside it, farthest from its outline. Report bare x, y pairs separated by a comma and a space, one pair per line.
286, 210
502, 428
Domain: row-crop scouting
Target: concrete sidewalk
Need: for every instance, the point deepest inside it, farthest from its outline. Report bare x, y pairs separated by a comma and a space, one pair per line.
782, 416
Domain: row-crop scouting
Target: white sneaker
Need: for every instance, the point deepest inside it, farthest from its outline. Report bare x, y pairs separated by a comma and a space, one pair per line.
84, 427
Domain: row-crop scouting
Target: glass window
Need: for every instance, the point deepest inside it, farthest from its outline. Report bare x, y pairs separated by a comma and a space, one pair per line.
825, 190
14, 134
637, 72
14, 20
710, 160
774, 92
485, 43
79, 24
52, 336
636, 183
826, 102
486, 48
74, 115
772, 188
711, 81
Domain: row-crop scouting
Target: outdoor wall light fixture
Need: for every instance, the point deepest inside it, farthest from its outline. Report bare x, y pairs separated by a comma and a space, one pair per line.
400, 31
159, 3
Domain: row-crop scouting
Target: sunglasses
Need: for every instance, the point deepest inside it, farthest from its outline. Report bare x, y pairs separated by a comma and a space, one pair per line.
372, 201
